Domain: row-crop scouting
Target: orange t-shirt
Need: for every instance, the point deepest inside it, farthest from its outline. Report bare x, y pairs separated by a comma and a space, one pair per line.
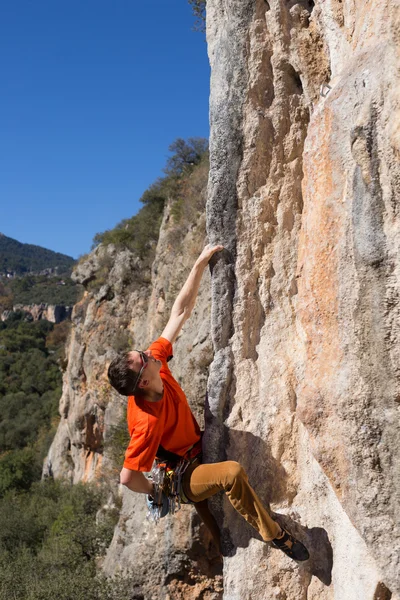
168, 422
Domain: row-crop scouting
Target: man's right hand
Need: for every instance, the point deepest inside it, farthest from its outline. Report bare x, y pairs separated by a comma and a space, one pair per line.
160, 509
208, 252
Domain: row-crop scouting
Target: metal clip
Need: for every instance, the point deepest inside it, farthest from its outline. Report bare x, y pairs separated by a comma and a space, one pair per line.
324, 90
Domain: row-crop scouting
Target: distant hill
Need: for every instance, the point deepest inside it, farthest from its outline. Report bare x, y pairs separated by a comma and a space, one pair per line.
21, 259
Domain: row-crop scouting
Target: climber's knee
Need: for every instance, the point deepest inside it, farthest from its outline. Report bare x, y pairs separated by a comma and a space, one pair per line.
234, 472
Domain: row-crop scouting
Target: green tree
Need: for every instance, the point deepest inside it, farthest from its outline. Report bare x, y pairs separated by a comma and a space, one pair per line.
199, 11
185, 154
18, 470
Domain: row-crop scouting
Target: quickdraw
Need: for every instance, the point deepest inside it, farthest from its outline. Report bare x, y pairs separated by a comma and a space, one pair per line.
167, 476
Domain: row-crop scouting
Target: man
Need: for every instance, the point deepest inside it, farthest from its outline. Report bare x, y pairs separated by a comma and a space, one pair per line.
159, 416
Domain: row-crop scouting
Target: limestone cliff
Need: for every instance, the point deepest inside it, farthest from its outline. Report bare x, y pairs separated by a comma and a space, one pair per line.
304, 386
304, 193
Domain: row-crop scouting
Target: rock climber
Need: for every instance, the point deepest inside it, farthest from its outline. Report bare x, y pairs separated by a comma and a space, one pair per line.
159, 420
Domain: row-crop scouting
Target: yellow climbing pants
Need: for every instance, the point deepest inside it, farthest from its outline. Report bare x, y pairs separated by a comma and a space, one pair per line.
201, 481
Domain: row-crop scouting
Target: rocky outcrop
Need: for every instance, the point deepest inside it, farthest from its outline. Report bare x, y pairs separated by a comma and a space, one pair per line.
55, 313
303, 192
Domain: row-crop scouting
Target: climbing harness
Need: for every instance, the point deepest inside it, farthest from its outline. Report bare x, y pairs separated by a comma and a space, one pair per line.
167, 476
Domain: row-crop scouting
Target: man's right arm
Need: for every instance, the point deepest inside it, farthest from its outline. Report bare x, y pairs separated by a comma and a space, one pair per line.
184, 303
136, 481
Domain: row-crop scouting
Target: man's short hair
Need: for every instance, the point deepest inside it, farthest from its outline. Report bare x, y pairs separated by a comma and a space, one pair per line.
122, 377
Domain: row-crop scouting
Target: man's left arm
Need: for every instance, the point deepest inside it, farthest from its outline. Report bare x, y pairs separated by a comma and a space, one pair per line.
136, 481
186, 298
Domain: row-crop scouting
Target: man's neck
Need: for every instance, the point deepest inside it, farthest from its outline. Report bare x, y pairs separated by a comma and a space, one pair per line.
154, 396
155, 393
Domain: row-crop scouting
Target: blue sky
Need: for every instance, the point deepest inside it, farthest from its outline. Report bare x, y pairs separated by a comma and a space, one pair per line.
92, 94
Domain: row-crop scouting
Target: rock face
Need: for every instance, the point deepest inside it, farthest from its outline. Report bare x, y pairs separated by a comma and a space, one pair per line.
304, 386
304, 193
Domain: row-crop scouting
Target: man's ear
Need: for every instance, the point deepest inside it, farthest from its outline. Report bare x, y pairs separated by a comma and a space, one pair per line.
143, 383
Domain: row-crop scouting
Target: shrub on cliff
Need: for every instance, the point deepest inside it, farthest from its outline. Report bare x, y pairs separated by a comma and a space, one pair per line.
57, 337
140, 232
115, 445
188, 204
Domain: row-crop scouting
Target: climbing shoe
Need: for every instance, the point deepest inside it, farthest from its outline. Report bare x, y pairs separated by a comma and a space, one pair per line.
290, 546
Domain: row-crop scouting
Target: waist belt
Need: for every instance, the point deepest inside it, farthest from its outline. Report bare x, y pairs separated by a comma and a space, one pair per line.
173, 459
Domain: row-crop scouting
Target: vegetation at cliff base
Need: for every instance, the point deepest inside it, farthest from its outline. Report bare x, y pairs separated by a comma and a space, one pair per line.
30, 387
51, 533
50, 542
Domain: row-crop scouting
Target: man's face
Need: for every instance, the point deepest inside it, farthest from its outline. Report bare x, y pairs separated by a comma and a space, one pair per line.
151, 366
